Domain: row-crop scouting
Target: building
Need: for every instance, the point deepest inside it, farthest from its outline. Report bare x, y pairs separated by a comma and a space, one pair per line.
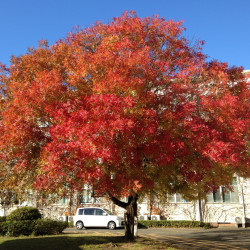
222, 207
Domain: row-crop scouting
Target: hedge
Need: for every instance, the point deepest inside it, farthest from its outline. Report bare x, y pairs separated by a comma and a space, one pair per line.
2, 218
172, 223
48, 227
24, 213
16, 228
3, 228
35, 227
27, 221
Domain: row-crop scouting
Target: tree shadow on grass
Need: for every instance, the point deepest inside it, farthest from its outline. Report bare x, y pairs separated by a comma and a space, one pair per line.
72, 242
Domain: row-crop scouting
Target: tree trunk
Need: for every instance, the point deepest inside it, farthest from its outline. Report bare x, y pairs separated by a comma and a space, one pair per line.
130, 214
200, 210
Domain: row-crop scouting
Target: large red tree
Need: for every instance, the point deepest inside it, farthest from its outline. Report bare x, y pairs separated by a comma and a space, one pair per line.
125, 107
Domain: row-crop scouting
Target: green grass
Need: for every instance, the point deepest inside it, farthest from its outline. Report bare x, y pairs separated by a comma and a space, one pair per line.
77, 242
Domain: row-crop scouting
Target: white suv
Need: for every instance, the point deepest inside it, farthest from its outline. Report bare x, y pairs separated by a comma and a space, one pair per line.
96, 217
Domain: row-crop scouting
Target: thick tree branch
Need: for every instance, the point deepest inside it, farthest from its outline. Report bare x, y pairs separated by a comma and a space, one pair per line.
119, 203
131, 200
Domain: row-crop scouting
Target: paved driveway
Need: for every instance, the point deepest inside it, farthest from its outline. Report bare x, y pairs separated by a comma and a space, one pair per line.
219, 238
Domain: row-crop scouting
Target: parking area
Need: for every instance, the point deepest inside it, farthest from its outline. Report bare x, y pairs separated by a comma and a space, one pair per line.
186, 238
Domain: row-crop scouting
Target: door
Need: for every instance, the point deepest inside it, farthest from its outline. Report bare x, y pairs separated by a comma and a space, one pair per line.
88, 217
101, 218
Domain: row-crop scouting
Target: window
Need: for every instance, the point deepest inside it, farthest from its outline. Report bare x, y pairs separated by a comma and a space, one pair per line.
98, 212
175, 198
80, 212
86, 197
224, 195
89, 211
62, 201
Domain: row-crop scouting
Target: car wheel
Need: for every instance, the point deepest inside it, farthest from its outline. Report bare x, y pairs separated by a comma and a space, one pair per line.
79, 225
112, 225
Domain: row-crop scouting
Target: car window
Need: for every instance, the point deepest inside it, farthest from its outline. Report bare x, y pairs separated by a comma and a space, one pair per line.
98, 212
88, 211
80, 212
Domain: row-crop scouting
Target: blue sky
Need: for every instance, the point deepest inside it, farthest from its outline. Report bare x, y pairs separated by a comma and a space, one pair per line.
223, 24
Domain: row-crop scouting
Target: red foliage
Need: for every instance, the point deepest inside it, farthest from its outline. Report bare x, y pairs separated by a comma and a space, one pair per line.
132, 99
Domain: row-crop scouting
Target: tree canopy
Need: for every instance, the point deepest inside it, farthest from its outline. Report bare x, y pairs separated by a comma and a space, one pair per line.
125, 107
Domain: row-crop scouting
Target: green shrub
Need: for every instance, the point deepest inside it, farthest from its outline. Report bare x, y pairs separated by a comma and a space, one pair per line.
35, 227
48, 227
16, 228
2, 218
206, 225
71, 224
24, 213
3, 228
171, 223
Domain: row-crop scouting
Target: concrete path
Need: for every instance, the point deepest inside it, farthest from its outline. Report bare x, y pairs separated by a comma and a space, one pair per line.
190, 238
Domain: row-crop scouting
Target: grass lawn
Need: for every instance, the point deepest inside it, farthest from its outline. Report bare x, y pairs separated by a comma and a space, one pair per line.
77, 242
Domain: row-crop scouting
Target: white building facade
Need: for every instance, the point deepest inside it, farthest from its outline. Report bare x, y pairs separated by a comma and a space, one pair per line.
224, 207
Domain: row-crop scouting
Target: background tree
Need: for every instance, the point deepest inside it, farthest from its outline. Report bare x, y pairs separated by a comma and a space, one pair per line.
125, 107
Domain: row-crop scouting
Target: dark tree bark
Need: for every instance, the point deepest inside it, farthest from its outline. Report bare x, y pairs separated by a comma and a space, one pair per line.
200, 210
130, 214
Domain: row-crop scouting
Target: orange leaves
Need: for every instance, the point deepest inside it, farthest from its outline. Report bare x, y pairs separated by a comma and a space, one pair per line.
132, 98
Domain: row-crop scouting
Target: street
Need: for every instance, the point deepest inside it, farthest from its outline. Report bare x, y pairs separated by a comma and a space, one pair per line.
186, 238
